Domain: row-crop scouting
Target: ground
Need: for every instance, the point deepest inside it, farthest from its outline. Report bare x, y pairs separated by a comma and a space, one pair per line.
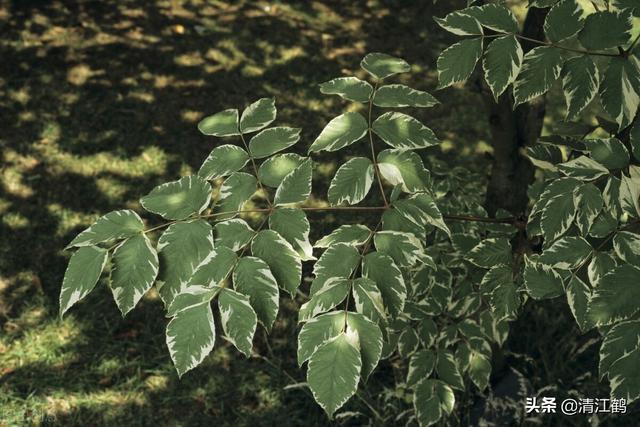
100, 101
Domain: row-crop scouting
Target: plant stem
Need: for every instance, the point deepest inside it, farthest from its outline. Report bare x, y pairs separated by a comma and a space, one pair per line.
557, 46
373, 151
601, 245
370, 406
255, 169
508, 220
633, 44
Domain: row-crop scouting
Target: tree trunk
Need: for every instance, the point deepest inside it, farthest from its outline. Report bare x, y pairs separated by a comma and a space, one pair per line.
511, 131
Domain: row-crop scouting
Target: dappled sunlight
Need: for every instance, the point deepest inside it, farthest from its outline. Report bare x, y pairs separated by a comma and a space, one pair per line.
100, 103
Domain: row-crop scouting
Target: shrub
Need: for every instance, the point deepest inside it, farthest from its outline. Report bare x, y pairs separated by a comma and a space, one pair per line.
436, 280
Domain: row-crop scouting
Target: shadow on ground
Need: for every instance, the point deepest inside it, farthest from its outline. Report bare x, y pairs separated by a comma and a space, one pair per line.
100, 101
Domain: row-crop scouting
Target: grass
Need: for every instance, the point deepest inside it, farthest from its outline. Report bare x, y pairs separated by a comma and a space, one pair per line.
99, 104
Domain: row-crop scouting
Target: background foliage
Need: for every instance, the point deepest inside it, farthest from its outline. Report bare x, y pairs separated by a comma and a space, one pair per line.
88, 144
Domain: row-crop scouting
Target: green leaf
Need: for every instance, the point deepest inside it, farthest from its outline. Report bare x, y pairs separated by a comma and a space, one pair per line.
223, 161
479, 370
543, 3
501, 63
234, 234
238, 320
81, 276
224, 123
504, 300
545, 156
611, 196
387, 276
580, 83
340, 132
296, 186
334, 371
589, 205
214, 269
604, 225
381, 65
634, 137
178, 199
293, 225
630, 192
558, 215
258, 115
540, 68
556, 187
628, 4
190, 296
624, 377
447, 370
234, 193
339, 260
405, 168
273, 170
620, 89
353, 234
617, 296
405, 249
114, 225
566, 253
578, 296
272, 140
253, 278
490, 252
181, 249
283, 260
601, 263
564, 20
583, 168
609, 152
618, 342
349, 88
317, 331
368, 300
394, 219
431, 400
456, 63
496, 329
627, 247
495, 17
408, 342
398, 96
428, 331
333, 292
402, 131
371, 342
421, 209
460, 24
605, 29
190, 337
497, 275
135, 267
420, 366
542, 281
352, 182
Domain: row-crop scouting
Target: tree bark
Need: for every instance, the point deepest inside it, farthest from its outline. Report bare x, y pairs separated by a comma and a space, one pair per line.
512, 131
